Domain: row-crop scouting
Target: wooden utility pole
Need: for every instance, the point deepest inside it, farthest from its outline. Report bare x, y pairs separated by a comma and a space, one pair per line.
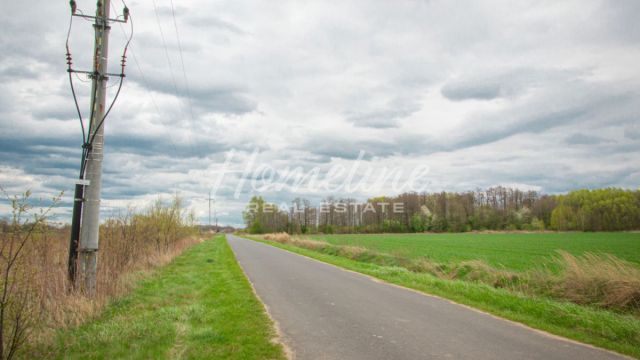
83, 248
89, 240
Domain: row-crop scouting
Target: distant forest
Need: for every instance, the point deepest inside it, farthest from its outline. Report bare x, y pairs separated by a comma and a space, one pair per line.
496, 208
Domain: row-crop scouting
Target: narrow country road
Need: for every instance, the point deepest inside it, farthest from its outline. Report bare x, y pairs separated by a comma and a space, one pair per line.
328, 313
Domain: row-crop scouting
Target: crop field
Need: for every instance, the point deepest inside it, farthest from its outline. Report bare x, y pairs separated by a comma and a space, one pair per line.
505, 250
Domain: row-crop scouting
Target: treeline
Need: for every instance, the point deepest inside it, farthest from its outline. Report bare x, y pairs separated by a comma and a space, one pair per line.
496, 208
597, 210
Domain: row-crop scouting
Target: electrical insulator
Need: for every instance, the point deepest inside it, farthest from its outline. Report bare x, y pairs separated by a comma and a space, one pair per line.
74, 7
125, 13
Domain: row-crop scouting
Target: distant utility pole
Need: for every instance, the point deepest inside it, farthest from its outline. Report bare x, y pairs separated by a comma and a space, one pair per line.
210, 200
83, 248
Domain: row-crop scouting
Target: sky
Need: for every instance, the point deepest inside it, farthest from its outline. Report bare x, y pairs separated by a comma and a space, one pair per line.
540, 95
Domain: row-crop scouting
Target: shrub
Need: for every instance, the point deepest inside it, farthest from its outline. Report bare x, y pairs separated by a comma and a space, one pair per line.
282, 237
602, 280
537, 224
43, 301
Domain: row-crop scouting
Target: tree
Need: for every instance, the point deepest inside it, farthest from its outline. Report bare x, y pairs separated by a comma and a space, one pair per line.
418, 223
253, 215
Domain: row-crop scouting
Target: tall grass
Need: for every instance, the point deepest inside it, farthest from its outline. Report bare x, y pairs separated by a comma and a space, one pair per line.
604, 280
599, 280
41, 299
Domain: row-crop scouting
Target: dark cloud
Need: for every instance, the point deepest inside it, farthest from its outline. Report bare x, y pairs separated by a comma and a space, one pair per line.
339, 146
395, 110
344, 148
495, 83
632, 132
379, 119
536, 118
470, 91
15, 72
223, 100
208, 98
538, 123
147, 145
213, 23
56, 112
25, 145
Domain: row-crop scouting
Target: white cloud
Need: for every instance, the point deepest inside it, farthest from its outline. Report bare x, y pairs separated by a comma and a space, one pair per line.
544, 95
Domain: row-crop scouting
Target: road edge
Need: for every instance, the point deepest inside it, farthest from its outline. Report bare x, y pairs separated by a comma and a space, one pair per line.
280, 338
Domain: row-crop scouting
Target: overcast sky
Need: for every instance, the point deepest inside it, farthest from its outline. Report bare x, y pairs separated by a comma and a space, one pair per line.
537, 94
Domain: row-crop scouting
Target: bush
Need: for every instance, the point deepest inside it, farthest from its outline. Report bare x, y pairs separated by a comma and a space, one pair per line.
418, 223
536, 224
282, 237
393, 226
43, 301
602, 280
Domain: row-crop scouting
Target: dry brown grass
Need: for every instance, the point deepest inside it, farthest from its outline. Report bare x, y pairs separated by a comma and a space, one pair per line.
602, 280
352, 252
281, 237
120, 265
285, 238
131, 246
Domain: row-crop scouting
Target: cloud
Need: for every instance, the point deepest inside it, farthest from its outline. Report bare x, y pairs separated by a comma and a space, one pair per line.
632, 132
387, 117
212, 23
492, 83
470, 91
582, 139
484, 93
17, 72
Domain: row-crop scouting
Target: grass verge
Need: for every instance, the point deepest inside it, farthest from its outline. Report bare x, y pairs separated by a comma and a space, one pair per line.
199, 306
599, 327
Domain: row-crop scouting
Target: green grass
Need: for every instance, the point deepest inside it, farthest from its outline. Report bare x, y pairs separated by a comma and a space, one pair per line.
511, 251
200, 306
603, 328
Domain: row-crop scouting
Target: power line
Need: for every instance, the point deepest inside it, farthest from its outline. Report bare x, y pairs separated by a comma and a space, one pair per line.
145, 84
73, 90
166, 52
184, 74
184, 71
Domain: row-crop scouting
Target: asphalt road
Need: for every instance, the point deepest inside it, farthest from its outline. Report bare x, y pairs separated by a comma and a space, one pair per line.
328, 313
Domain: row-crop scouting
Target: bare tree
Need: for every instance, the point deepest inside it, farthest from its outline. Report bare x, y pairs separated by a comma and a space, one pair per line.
16, 312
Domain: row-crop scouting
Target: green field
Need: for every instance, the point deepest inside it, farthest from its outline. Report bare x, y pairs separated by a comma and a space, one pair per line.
200, 306
511, 251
